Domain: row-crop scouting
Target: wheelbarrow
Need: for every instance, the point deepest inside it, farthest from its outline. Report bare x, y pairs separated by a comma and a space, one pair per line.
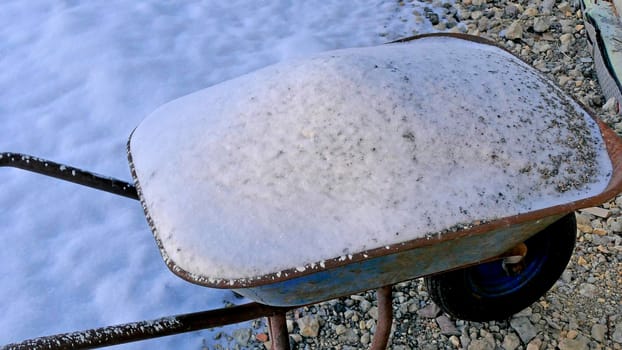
439, 156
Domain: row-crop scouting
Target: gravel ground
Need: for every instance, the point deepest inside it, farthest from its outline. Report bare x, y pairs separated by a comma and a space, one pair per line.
584, 308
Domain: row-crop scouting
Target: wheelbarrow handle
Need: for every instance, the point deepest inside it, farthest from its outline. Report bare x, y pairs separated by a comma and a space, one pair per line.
68, 173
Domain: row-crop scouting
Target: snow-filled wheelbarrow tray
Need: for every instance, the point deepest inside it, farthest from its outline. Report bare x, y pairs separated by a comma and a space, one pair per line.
205, 155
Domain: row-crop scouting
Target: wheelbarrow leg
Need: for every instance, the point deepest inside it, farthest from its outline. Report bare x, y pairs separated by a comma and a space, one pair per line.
278, 332
385, 318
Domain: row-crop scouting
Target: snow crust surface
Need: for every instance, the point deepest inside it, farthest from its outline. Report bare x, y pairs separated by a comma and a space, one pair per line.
351, 150
77, 77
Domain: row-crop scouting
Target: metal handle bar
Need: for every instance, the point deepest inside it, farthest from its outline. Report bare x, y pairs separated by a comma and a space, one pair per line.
68, 173
136, 331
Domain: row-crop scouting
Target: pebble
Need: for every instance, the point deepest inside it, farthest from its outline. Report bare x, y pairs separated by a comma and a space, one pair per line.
349, 337
481, 344
429, 311
596, 211
511, 342
309, 326
572, 334
541, 24
364, 306
598, 332
365, 338
572, 344
617, 333
526, 331
296, 338
242, 336
588, 290
547, 6
447, 326
514, 31
535, 344
455, 341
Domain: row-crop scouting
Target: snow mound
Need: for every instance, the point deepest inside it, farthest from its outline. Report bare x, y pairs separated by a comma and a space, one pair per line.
351, 150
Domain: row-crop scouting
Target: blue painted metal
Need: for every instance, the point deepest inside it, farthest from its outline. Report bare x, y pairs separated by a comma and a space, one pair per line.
454, 251
491, 279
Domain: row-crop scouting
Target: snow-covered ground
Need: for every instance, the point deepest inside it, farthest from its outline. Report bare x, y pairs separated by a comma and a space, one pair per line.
75, 79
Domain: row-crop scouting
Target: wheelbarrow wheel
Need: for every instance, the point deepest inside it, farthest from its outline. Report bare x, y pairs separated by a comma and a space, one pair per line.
488, 292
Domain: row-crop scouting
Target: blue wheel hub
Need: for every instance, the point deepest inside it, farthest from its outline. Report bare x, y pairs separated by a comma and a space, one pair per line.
493, 280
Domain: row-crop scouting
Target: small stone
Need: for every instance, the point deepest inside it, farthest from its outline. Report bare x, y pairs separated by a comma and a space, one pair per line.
526, 331
511, 10
610, 106
349, 337
309, 326
514, 31
429, 311
572, 334
262, 337
585, 228
511, 342
617, 333
567, 26
541, 24
290, 325
455, 341
596, 211
465, 340
547, 6
447, 326
566, 39
564, 7
531, 12
583, 219
535, 318
475, 15
480, 344
340, 329
433, 17
599, 231
365, 338
598, 332
567, 276
582, 262
358, 298
242, 336
541, 46
526, 312
465, 14
364, 306
412, 308
572, 344
373, 312
562, 80
588, 290
297, 338
534, 344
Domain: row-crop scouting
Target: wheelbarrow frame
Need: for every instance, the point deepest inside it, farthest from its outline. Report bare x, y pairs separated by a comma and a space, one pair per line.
496, 237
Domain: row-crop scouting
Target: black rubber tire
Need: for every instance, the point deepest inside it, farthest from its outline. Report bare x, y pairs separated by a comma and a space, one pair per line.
469, 295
